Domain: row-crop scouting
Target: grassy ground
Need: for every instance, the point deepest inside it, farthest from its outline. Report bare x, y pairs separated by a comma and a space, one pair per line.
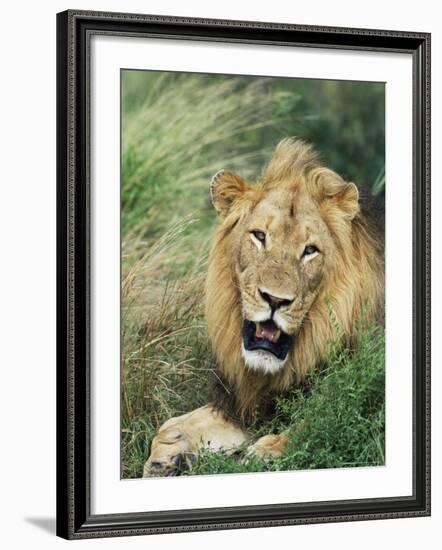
337, 422
177, 131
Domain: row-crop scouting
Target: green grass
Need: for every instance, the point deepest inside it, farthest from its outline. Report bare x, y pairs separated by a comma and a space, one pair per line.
177, 131
338, 422
183, 130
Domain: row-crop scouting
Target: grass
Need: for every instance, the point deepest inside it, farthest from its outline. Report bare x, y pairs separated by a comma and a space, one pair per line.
177, 131
169, 159
338, 422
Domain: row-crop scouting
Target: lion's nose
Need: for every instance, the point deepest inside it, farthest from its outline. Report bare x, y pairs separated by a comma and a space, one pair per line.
275, 302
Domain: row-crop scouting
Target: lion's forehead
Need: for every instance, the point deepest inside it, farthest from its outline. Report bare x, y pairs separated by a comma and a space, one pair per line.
286, 213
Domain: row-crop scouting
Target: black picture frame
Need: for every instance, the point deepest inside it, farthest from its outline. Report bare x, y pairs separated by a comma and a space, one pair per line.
74, 518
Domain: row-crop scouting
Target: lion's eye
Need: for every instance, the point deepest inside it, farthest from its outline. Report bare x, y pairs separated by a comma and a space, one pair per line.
259, 235
310, 249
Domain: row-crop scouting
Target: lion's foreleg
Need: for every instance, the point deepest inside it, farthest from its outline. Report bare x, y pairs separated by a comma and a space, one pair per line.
178, 441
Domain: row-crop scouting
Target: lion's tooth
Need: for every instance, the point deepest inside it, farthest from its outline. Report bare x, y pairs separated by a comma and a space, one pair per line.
258, 329
277, 335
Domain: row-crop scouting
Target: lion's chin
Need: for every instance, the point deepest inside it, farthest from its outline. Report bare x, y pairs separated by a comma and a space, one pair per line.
262, 361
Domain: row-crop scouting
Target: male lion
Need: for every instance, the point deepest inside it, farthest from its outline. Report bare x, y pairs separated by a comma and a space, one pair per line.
292, 259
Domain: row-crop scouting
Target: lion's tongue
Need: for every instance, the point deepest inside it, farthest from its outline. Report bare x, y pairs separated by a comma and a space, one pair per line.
268, 330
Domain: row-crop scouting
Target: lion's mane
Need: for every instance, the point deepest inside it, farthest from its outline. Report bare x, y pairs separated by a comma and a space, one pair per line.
354, 288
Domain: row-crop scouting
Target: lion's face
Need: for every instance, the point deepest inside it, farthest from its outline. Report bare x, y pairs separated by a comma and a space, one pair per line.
282, 250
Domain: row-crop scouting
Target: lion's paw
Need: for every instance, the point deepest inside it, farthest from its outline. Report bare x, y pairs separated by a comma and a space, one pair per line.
268, 446
167, 466
172, 452
175, 447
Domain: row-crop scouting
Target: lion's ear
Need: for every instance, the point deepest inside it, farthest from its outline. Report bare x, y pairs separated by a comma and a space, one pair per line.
343, 194
225, 188
348, 200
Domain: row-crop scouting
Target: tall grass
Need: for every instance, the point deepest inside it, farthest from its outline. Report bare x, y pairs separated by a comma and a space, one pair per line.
165, 359
185, 129
177, 131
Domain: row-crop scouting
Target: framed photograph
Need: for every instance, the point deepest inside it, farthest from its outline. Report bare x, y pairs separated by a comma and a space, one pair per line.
243, 274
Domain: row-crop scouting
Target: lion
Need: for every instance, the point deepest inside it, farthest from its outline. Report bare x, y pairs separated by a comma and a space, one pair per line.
293, 258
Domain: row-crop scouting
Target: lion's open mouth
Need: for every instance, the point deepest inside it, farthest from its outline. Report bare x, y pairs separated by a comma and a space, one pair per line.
266, 336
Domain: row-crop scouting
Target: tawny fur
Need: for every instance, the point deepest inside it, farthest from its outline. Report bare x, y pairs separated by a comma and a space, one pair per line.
352, 280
